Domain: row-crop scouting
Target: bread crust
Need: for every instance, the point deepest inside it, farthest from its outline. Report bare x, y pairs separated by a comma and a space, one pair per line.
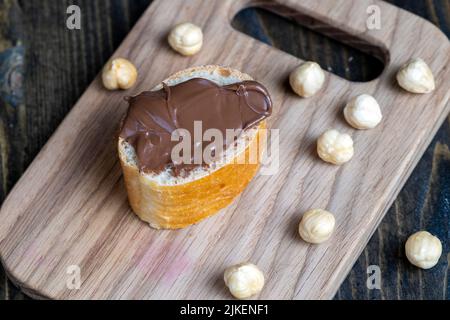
181, 205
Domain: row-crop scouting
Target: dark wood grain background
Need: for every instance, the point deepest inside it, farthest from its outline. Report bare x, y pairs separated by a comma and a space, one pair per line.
44, 68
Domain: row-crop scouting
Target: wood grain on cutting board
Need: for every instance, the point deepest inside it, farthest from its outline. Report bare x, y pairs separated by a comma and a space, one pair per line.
70, 207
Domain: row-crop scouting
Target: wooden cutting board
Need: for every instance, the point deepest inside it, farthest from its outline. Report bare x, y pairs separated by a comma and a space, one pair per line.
70, 207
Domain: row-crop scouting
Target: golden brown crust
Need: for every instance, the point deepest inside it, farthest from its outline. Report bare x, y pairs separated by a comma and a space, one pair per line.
179, 206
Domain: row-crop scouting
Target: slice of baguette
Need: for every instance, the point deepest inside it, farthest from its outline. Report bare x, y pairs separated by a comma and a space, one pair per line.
173, 202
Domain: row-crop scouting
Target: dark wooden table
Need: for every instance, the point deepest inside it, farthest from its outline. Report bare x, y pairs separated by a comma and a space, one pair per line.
44, 68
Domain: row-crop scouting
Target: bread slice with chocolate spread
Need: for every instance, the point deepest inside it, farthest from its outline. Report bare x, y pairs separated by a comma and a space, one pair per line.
166, 199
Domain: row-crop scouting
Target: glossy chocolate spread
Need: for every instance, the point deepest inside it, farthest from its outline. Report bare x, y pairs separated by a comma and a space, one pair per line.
154, 115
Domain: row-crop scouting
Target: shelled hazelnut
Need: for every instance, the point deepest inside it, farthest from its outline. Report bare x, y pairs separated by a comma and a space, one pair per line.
363, 112
119, 74
416, 77
335, 147
317, 226
423, 250
186, 38
244, 280
307, 79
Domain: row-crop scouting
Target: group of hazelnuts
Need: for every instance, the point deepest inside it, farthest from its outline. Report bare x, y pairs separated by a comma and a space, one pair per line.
362, 112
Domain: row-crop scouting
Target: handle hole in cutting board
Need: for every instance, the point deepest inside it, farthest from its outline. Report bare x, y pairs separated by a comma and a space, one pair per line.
295, 35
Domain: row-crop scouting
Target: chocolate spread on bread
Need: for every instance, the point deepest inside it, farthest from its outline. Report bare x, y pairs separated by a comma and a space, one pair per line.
154, 115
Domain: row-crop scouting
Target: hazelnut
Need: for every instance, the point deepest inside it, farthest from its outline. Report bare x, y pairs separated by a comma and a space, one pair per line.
423, 250
363, 112
186, 39
307, 79
416, 77
335, 147
244, 280
119, 74
316, 226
